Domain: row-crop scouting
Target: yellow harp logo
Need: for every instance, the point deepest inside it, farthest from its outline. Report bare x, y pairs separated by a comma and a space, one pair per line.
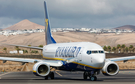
46, 24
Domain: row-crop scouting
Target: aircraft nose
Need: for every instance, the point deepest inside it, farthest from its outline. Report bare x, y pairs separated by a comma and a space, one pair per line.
99, 60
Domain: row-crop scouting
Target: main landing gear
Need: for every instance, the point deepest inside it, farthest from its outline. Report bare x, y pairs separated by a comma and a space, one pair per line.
90, 75
51, 75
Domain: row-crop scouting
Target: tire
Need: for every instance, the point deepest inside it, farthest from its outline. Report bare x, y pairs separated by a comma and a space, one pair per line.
51, 75
85, 75
93, 78
46, 77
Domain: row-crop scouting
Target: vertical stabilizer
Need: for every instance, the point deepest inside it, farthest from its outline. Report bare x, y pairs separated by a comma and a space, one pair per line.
48, 36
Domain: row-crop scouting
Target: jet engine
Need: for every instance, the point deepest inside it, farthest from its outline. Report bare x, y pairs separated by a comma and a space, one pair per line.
41, 69
110, 68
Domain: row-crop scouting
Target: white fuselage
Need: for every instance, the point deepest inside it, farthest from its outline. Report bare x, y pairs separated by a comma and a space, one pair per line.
84, 54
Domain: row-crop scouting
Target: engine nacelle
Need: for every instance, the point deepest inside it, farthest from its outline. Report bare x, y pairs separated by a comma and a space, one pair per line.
41, 69
110, 68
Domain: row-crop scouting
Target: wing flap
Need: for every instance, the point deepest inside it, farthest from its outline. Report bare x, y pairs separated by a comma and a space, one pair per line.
53, 63
122, 58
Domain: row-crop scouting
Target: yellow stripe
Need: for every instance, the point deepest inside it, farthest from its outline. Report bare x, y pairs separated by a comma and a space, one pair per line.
104, 72
54, 58
34, 71
73, 62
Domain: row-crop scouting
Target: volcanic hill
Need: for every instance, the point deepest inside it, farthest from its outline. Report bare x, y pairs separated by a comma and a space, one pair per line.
25, 24
126, 27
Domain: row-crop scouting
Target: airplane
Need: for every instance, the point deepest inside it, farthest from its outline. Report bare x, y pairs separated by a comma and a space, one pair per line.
73, 56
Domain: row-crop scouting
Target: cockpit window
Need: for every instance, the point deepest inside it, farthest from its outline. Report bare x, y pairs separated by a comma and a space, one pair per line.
88, 52
94, 52
101, 51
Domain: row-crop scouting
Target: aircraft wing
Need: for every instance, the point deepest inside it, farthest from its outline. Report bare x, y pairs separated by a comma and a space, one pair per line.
53, 63
122, 58
25, 46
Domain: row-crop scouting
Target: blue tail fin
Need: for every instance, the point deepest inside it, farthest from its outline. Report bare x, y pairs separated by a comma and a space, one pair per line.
49, 39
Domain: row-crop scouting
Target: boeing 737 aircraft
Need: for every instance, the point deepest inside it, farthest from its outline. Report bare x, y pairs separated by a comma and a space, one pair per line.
74, 56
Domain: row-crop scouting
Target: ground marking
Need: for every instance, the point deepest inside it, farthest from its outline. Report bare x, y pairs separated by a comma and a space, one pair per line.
4, 74
58, 73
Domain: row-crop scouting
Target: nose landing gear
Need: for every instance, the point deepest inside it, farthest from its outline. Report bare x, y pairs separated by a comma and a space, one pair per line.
93, 78
90, 75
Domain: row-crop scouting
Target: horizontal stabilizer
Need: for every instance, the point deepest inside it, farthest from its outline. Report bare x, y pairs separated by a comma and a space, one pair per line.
32, 47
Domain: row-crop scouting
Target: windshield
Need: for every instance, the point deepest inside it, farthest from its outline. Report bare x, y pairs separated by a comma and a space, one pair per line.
94, 52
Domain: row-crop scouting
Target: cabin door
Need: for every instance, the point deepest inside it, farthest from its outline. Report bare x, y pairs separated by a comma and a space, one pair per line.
80, 55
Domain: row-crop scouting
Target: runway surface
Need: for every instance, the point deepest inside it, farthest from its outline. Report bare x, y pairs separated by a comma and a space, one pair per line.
124, 77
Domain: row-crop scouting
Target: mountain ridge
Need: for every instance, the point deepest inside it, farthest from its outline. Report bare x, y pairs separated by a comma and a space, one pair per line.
126, 27
24, 24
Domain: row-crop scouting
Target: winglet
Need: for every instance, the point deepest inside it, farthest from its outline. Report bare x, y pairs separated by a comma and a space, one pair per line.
48, 36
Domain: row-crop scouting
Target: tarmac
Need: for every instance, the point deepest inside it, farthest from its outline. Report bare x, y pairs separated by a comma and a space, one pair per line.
124, 77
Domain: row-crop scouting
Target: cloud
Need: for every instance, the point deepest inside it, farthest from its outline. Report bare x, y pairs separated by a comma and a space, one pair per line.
6, 22
20, 9
70, 13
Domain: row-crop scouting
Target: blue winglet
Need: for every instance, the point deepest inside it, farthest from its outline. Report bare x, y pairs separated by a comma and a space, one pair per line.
49, 39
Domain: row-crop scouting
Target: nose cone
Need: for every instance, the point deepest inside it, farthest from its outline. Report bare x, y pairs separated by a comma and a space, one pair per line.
99, 60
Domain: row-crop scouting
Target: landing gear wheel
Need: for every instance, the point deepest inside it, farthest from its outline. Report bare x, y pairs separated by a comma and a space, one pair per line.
93, 78
46, 77
85, 75
51, 75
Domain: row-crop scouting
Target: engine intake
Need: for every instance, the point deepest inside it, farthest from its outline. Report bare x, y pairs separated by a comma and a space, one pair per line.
110, 68
41, 69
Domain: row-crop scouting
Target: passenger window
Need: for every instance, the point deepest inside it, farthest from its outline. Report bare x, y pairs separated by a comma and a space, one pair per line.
88, 52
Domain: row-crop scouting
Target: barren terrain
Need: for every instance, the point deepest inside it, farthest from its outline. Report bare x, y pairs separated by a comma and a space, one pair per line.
36, 39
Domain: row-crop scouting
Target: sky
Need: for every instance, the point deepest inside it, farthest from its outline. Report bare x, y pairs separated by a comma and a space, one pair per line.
69, 13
